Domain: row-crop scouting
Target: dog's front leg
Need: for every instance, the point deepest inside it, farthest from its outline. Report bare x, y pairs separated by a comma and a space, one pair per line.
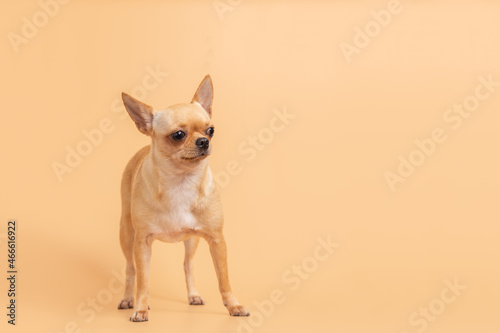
142, 257
218, 251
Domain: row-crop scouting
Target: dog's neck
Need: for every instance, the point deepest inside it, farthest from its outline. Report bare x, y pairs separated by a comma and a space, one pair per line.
165, 174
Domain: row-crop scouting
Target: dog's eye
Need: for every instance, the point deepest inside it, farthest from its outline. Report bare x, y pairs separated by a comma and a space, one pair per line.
178, 136
210, 131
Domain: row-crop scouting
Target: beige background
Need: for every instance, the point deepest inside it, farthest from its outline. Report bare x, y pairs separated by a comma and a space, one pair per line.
321, 175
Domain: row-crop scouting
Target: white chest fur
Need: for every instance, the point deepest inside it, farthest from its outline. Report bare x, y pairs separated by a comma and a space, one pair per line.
175, 217
167, 199
180, 197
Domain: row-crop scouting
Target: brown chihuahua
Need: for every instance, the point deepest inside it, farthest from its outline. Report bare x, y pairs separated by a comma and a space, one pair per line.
168, 194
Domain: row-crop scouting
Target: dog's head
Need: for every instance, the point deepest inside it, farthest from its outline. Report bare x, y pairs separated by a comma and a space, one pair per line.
181, 133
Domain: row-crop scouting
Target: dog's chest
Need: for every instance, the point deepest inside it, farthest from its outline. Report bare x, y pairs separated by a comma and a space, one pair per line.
175, 216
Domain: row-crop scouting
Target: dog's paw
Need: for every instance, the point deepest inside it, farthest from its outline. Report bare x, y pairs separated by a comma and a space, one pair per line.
238, 311
126, 304
139, 315
196, 300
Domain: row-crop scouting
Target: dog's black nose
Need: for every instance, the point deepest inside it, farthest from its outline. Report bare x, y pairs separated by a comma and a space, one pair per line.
202, 143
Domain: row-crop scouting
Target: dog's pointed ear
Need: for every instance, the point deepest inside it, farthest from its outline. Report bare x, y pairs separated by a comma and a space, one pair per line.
141, 114
205, 94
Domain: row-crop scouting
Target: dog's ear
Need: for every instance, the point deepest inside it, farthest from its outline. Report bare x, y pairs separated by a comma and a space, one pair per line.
141, 114
205, 94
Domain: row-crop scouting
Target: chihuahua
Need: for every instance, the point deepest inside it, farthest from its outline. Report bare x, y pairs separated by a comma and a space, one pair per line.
168, 193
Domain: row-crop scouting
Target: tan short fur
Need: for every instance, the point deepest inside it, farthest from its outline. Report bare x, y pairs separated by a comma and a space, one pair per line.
168, 194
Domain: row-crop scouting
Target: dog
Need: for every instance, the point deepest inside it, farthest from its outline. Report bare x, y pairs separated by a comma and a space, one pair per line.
168, 194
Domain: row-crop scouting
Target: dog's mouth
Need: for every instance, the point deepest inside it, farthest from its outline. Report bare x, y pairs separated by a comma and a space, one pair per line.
199, 156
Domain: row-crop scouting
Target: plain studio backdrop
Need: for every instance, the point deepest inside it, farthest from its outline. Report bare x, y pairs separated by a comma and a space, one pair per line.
356, 150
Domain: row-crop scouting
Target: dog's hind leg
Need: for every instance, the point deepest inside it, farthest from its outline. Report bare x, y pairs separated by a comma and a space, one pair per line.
190, 246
